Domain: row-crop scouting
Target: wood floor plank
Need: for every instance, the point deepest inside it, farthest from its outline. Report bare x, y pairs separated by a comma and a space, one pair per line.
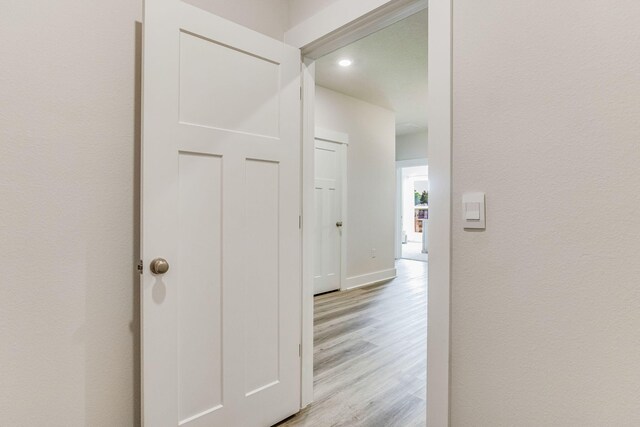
370, 355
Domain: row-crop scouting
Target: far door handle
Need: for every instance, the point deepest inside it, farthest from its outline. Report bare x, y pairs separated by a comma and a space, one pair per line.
339, 224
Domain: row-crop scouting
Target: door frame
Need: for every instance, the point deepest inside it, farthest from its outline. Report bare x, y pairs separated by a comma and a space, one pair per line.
342, 139
401, 164
339, 24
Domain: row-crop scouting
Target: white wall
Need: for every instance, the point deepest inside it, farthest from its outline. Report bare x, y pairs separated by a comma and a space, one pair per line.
299, 10
545, 302
69, 150
411, 146
270, 17
311, 19
370, 175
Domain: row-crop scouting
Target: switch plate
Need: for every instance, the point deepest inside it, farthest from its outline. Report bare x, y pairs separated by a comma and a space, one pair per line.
473, 211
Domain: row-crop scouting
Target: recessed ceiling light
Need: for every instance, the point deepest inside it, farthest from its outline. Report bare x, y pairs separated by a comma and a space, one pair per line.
345, 62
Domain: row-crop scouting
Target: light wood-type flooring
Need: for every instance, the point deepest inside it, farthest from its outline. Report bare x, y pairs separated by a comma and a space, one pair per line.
370, 355
413, 250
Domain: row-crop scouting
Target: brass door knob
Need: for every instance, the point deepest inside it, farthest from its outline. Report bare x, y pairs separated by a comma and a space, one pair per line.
159, 266
339, 224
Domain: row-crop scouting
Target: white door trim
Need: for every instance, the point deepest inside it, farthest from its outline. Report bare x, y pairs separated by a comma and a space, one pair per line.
439, 154
345, 21
356, 14
398, 241
308, 221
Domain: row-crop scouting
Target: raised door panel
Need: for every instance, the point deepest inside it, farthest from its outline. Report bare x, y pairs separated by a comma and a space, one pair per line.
200, 296
318, 250
332, 233
225, 88
262, 276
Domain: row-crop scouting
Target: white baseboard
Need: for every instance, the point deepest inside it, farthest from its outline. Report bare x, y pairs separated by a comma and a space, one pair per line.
369, 279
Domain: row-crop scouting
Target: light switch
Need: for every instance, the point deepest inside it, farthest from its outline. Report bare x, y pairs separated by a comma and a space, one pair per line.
473, 210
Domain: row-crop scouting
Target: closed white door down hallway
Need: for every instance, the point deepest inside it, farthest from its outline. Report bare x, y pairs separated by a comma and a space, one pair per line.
369, 358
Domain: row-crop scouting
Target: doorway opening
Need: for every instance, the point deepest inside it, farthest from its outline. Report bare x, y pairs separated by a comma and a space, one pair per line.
369, 309
412, 210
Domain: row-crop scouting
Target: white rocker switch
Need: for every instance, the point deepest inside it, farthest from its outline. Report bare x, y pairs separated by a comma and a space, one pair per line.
473, 210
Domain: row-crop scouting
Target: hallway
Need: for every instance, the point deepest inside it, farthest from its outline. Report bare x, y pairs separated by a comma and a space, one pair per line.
370, 354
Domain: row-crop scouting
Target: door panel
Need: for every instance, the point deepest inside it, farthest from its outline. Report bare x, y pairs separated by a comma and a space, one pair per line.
200, 311
220, 202
261, 295
318, 249
206, 68
328, 196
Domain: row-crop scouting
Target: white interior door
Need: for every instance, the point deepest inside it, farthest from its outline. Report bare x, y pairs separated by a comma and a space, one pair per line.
220, 202
328, 200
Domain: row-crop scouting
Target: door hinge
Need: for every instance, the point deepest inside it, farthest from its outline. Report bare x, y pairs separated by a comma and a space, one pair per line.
300, 221
301, 93
140, 267
299, 350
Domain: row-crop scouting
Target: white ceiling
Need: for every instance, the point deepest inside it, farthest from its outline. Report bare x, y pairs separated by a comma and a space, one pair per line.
389, 69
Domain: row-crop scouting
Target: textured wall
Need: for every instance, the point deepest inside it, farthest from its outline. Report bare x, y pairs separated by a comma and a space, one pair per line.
270, 17
545, 302
299, 10
371, 183
69, 138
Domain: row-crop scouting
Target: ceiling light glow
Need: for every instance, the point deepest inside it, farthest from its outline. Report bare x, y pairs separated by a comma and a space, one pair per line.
345, 62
